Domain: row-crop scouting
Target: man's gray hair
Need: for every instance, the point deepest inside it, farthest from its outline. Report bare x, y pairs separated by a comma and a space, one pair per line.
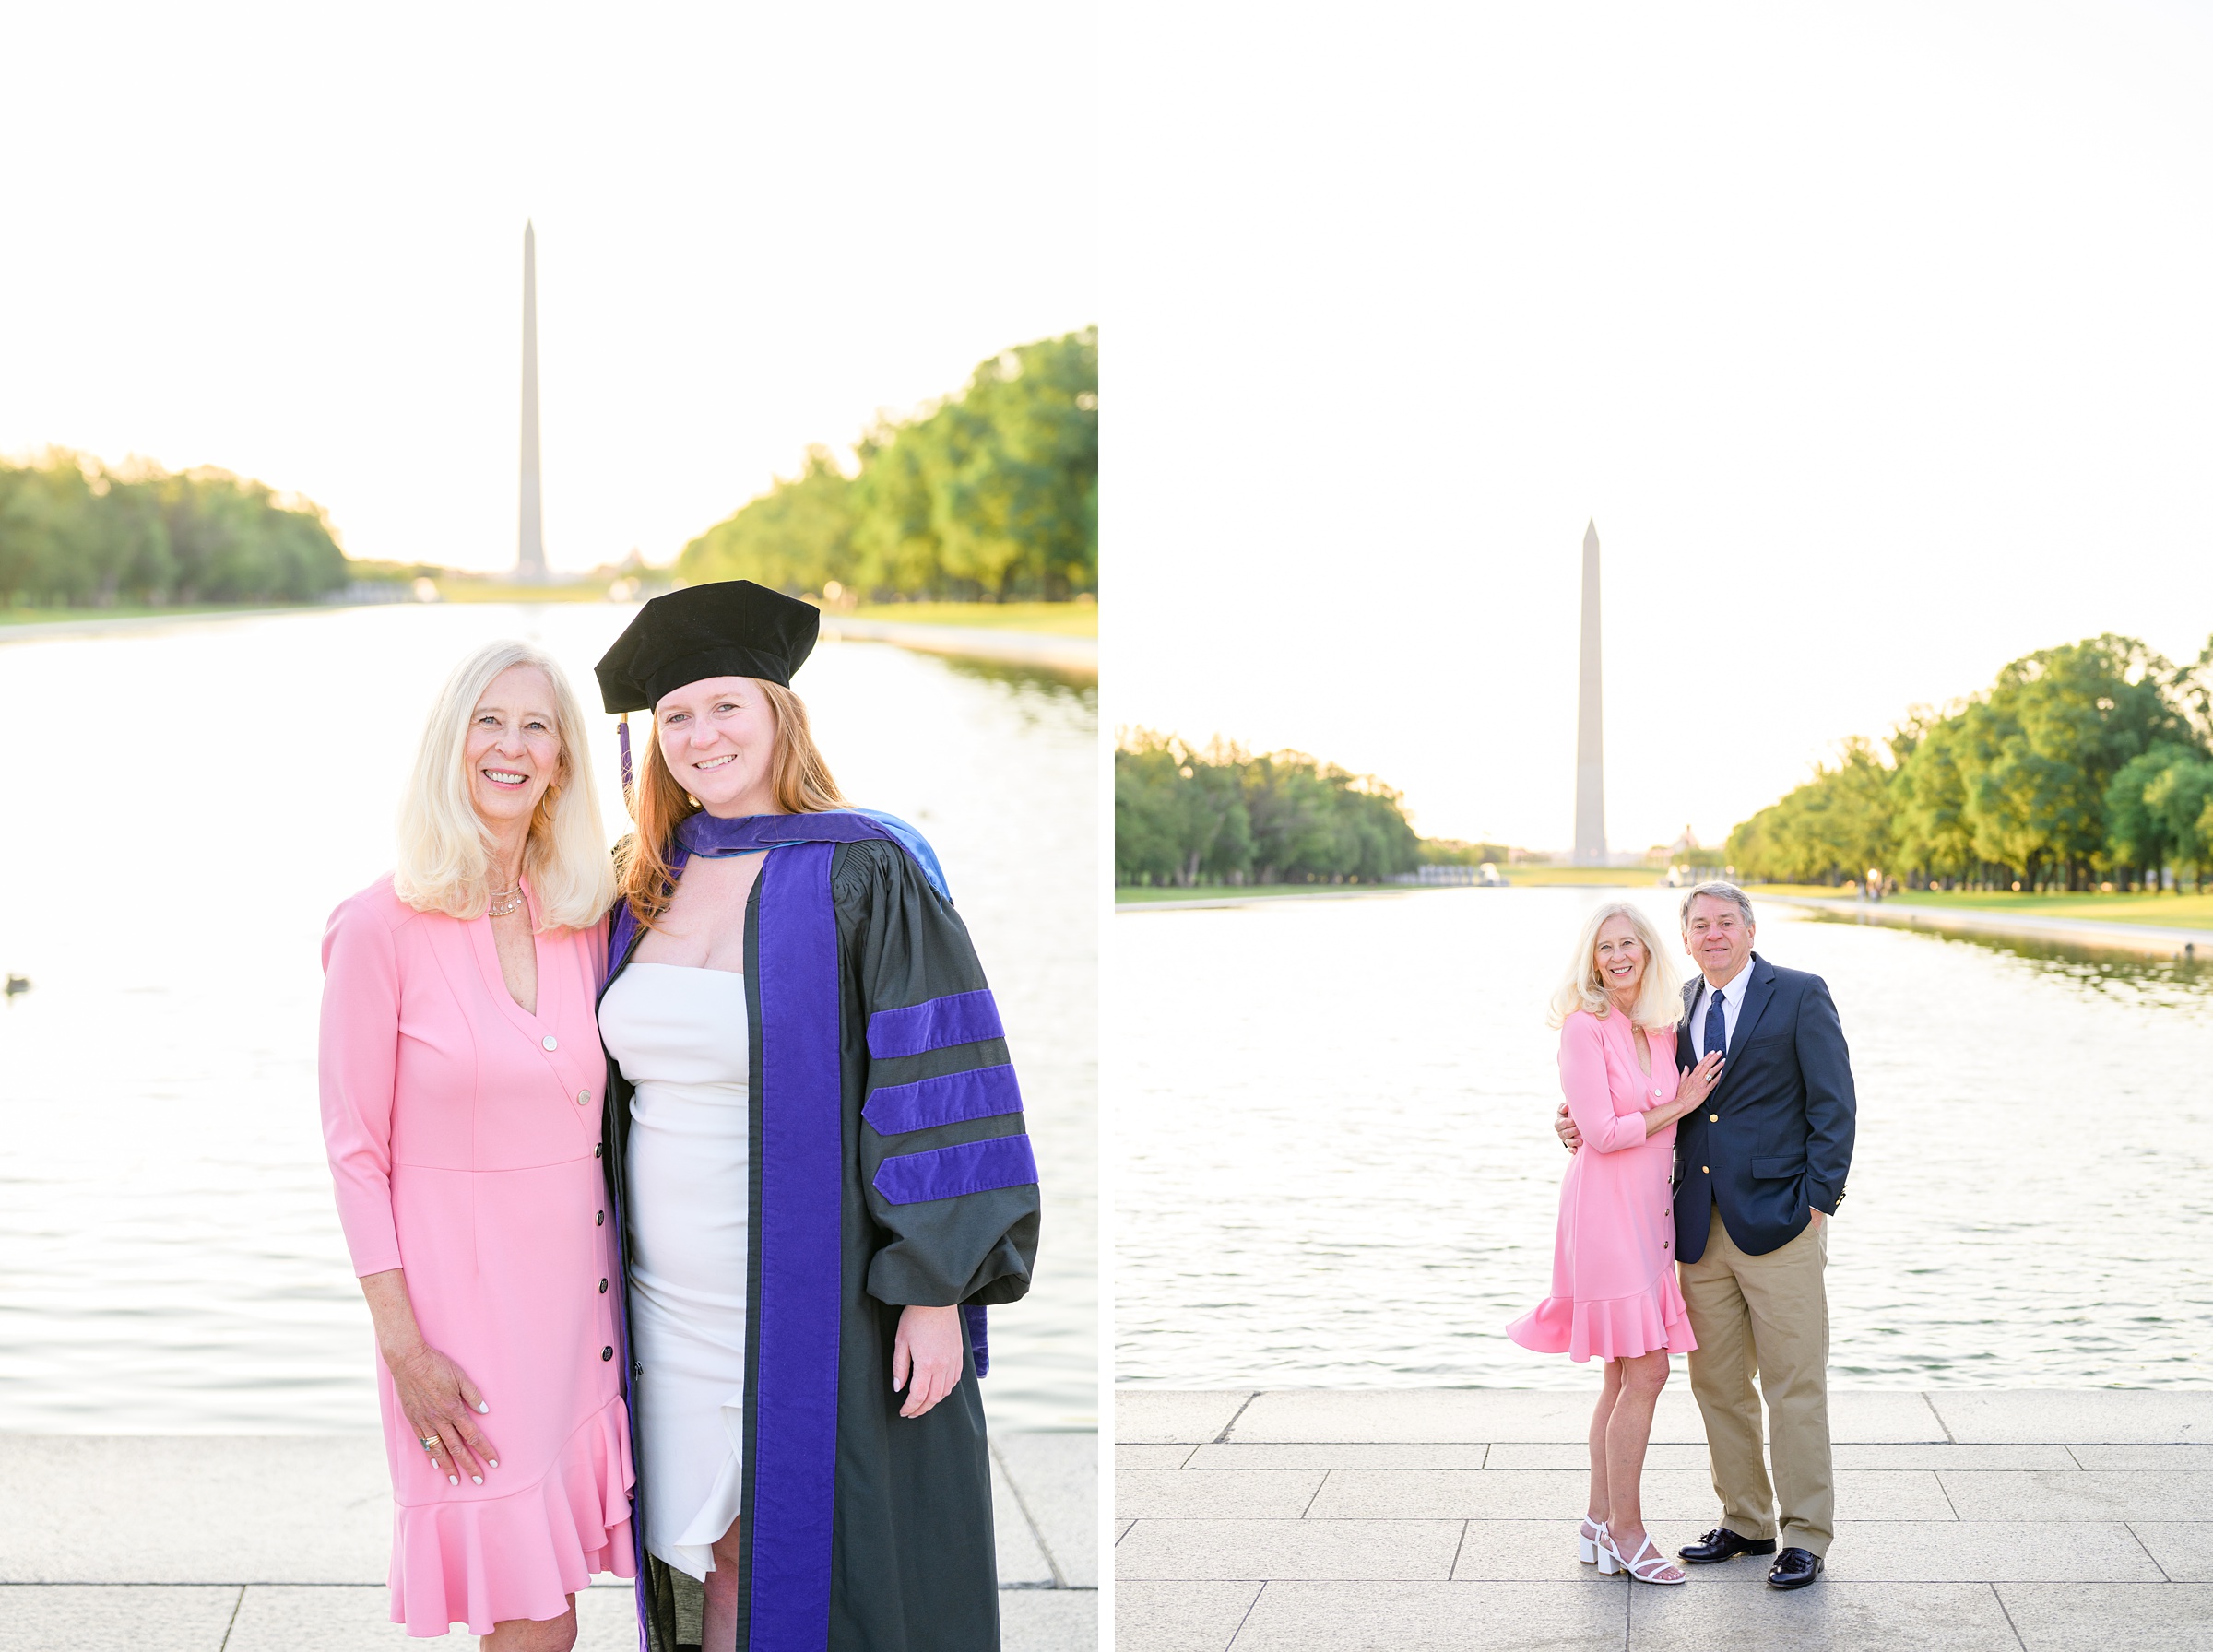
1720, 891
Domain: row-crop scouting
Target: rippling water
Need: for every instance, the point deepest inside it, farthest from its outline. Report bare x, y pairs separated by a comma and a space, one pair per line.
183, 805
1335, 1167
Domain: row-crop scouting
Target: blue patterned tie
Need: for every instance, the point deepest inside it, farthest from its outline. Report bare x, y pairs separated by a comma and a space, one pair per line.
1717, 1026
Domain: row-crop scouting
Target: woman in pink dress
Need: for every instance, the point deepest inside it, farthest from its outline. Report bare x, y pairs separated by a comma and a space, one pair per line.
1614, 1290
461, 1072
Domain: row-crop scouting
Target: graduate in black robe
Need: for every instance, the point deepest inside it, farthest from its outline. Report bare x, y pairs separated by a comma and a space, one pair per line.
888, 1166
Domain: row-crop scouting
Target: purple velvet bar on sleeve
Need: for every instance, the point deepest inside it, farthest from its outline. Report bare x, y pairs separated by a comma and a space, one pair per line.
934, 1024
948, 1171
949, 1099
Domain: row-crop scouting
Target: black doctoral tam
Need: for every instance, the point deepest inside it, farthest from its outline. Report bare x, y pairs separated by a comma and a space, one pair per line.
732, 628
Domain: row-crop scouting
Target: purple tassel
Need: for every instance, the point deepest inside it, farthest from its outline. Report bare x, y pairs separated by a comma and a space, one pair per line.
622, 743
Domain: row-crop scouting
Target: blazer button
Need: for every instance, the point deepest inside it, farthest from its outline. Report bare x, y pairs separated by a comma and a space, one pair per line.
582, 1096
1713, 1118
552, 1043
603, 1287
1707, 1168
607, 1353
602, 1220
595, 1147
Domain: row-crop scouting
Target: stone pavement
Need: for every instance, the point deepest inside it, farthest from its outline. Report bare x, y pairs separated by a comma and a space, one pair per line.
206, 1543
1442, 1520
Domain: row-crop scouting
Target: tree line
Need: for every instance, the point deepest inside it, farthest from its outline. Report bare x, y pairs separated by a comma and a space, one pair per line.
77, 533
992, 493
2084, 765
1185, 815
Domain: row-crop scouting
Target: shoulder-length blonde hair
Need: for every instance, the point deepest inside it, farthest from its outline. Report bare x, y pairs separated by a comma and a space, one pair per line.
1660, 996
444, 851
799, 775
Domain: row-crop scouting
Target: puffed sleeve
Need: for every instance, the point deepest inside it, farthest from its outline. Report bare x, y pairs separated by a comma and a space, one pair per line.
945, 1161
360, 1056
1589, 1095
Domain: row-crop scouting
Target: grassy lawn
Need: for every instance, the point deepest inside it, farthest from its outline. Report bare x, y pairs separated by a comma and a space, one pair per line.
2182, 911
1048, 618
125, 611
1128, 895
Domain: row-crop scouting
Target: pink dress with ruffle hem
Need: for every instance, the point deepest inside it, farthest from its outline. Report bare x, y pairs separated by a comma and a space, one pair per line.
464, 1135
1613, 1290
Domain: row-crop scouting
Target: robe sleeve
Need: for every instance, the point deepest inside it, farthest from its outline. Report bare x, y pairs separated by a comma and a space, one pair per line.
357, 1065
945, 1162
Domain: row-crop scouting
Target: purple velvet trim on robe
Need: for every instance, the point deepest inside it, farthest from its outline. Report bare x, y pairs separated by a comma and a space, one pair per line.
794, 1448
948, 1171
935, 1024
973, 1314
949, 1099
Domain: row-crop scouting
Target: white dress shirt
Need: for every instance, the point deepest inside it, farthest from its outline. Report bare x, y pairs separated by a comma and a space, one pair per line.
1733, 1000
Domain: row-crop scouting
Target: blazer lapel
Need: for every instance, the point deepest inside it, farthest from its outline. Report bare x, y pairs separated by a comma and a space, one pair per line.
1756, 1003
1687, 1052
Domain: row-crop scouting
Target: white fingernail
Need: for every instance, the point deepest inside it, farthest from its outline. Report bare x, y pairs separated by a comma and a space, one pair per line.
453, 1480
484, 1405
493, 1461
478, 1478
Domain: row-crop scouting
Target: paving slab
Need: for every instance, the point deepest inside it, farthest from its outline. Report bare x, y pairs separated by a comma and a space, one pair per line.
1179, 1617
2174, 1617
1022, 1558
2077, 1416
1831, 1616
1668, 1494
1157, 1457
1260, 1549
1989, 1552
1479, 1416
1056, 1478
1038, 1621
35, 1617
1324, 1454
1497, 1415
1539, 1551
2190, 1460
1167, 1415
1223, 1495
135, 1508
1941, 1457
1438, 1617
2182, 1550
1565, 1454
2084, 1494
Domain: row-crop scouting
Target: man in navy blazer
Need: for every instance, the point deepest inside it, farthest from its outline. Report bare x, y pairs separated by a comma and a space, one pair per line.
1759, 1170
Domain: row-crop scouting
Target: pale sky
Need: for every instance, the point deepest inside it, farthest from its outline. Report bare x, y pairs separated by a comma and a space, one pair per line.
287, 240
1876, 338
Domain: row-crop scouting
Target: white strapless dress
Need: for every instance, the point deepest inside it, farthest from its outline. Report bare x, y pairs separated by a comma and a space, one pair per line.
680, 1036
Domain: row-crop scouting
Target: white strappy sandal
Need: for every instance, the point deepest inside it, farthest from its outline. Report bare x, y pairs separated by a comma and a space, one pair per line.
1593, 1547
1642, 1569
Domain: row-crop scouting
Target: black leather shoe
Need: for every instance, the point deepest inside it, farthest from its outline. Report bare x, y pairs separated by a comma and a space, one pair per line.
1720, 1543
1794, 1569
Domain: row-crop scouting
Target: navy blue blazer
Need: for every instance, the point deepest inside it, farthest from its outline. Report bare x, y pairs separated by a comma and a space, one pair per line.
1775, 1136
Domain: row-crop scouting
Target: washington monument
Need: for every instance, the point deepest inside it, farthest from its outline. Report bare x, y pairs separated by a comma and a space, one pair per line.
530, 549
1589, 724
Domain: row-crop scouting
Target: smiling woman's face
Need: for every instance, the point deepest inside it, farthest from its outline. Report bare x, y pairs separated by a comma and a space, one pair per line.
1621, 956
514, 748
718, 738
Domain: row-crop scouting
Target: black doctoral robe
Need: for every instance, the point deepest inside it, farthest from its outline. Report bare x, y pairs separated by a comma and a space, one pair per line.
863, 1531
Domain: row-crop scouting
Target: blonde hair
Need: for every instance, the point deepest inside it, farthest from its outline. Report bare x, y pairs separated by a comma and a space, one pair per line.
1660, 993
445, 850
798, 777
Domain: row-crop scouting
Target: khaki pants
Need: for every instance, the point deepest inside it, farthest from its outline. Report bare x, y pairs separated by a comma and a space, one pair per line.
1770, 1315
